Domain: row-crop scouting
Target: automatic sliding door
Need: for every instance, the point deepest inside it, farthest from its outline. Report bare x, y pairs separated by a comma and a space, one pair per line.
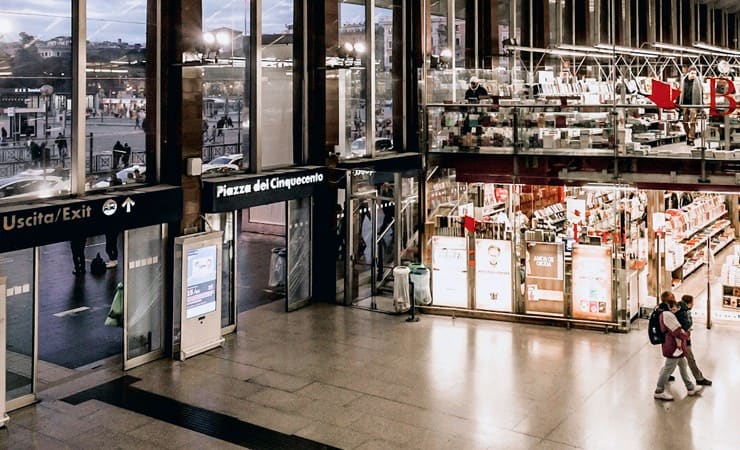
18, 268
298, 293
143, 295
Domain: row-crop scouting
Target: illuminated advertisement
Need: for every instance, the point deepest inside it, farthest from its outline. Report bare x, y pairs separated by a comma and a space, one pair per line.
592, 282
493, 275
201, 282
449, 271
544, 279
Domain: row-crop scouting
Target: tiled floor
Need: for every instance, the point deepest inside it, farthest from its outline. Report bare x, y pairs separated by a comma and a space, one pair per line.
356, 379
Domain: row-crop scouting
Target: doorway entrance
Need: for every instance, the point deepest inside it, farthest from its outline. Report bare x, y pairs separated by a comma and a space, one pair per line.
381, 217
275, 254
65, 319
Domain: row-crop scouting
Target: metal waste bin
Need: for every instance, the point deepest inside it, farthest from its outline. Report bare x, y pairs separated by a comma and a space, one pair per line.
422, 289
277, 267
401, 302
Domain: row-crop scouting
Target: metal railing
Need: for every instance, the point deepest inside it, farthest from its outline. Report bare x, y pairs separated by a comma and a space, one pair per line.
16, 157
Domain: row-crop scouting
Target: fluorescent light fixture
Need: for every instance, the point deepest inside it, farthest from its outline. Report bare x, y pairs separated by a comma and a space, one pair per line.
632, 51
676, 48
583, 48
721, 50
562, 51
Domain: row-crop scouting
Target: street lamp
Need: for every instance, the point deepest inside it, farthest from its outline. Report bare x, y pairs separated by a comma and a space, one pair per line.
46, 91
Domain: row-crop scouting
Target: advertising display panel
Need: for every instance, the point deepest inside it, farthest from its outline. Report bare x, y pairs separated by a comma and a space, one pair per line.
449, 271
592, 282
202, 277
493, 275
544, 278
197, 280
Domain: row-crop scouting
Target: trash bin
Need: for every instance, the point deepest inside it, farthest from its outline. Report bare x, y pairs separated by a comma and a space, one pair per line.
422, 291
401, 302
277, 267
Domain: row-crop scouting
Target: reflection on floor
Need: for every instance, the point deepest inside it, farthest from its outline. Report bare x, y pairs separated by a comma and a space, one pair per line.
354, 379
73, 308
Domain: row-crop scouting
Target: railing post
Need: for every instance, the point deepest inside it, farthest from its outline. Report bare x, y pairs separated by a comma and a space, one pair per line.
91, 151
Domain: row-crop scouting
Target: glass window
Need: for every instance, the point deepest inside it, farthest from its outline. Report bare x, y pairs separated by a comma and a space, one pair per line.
276, 115
116, 125
352, 79
226, 76
35, 94
384, 31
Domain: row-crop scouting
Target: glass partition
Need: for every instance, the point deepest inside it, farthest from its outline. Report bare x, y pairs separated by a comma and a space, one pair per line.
144, 294
299, 254
568, 252
18, 267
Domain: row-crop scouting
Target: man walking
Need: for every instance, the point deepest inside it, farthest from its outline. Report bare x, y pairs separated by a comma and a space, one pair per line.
672, 331
61, 143
118, 152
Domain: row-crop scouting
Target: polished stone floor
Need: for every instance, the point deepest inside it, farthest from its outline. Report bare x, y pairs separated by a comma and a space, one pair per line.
355, 379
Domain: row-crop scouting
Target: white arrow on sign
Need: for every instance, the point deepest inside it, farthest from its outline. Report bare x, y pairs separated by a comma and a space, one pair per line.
128, 203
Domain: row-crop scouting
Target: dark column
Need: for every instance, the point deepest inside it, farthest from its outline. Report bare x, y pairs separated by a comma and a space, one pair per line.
316, 95
488, 37
583, 24
397, 67
299, 40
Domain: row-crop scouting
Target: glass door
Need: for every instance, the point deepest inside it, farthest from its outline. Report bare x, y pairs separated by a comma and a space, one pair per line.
19, 269
143, 295
298, 292
225, 222
363, 254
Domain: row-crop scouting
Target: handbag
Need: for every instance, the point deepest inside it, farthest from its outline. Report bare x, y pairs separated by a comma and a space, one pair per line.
115, 314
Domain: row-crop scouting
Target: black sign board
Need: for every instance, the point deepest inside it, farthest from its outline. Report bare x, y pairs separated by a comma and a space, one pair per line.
244, 191
58, 220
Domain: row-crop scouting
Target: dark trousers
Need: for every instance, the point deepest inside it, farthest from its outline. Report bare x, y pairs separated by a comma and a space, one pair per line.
111, 245
78, 253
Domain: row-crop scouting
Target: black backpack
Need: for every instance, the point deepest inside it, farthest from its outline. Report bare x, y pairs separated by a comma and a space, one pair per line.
97, 266
655, 333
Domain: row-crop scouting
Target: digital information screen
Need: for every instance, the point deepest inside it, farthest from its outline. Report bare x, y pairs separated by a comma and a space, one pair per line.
201, 282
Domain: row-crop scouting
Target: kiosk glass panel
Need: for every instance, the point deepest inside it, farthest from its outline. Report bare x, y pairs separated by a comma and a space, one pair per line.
144, 290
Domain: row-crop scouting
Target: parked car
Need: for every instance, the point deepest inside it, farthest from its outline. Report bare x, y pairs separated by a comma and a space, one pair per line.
122, 175
381, 144
224, 164
33, 186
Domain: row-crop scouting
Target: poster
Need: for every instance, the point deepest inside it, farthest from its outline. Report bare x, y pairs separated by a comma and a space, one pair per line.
201, 282
449, 271
592, 282
544, 277
493, 276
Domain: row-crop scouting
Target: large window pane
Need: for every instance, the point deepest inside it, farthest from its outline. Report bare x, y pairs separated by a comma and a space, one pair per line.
353, 79
384, 34
225, 87
276, 117
35, 94
116, 96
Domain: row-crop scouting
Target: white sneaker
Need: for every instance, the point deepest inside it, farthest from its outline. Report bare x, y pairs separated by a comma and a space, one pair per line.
111, 264
696, 390
663, 396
